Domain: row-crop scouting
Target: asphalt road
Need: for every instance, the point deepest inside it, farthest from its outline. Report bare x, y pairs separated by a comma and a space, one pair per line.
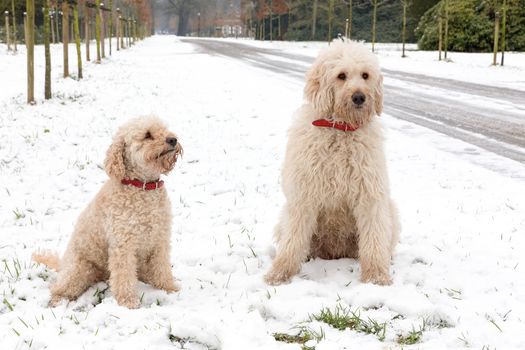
485, 116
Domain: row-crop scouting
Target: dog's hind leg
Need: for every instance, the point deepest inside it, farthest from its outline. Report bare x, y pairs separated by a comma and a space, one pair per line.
73, 280
297, 226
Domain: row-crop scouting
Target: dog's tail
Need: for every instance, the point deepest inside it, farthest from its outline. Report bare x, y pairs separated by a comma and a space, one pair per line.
50, 259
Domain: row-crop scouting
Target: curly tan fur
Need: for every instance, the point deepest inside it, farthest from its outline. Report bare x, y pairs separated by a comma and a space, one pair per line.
336, 183
124, 233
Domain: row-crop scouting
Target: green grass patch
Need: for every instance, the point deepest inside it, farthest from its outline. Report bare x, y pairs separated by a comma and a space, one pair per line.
344, 318
304, 335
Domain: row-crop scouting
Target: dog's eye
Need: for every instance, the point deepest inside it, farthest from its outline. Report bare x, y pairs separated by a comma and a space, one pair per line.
365, 76
148, 136
341, 76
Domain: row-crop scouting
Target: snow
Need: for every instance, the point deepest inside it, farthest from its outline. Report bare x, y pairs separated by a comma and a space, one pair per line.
458, 267
468, 67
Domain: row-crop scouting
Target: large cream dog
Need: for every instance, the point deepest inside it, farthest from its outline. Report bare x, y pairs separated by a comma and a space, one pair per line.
334, 175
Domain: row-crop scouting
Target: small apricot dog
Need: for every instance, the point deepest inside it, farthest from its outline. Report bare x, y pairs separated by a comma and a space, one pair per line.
334, 175
124, 233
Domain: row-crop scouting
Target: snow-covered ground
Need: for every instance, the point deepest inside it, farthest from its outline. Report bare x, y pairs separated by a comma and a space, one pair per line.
469, 67
458, 270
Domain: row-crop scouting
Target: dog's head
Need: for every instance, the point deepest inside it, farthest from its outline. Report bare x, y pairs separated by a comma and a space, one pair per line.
345, 83
142, 149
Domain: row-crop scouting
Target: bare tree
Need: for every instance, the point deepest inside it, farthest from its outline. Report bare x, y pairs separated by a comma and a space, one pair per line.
110, 24
374, 20
405, 3
47, 25
314, 18
330, 19
13, 12
77, 40
97, 28
446, 29
348, 29
30, 43
65, 36
7, 34
496, 36
503, 31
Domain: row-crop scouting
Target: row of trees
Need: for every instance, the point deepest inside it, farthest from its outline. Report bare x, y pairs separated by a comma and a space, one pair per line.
73, 19
324, 19
475, 25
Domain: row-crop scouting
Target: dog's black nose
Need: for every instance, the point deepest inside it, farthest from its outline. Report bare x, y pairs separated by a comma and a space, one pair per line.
172, 141
358, 98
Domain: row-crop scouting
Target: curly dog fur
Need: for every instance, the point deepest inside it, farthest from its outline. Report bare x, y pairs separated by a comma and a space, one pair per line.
336, 183
124, 233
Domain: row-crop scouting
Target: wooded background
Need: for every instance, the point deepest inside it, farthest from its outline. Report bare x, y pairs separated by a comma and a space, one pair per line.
471, 22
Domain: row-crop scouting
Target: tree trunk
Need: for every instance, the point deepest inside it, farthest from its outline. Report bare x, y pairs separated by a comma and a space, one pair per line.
56, 24
102, 34
110, 24
350, 12
65, 36
77, 40
496, 37
86, 30
7, 34
117, 31
122, 29
15, 33
330, 19
374, 20
97, 28
128, 30
47, 25
440, 26
271, 20
446, 28
52, 25
279, 27
503, 32
314, 18
30, 42
405, 4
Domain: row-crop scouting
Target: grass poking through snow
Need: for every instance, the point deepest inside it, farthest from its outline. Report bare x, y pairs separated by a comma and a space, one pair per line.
344, 318
304, 337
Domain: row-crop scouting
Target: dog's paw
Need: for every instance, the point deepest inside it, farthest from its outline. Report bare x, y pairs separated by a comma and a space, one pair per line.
130, 302
380, 279
55, 300
172, 288
275, 277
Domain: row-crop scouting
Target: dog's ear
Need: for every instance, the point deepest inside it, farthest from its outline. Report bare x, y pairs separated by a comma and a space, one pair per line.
313, 82
378, 95
114, 162
321, 98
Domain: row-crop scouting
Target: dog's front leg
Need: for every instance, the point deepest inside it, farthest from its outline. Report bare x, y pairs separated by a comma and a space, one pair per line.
373, 220
157, 270
297, 227
123, 274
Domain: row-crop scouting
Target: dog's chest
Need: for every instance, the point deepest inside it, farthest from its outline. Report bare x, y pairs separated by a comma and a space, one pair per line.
147, 215
339, 155
327, 165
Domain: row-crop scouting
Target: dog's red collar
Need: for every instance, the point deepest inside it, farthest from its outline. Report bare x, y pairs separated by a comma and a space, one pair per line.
336, 125
146, 186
